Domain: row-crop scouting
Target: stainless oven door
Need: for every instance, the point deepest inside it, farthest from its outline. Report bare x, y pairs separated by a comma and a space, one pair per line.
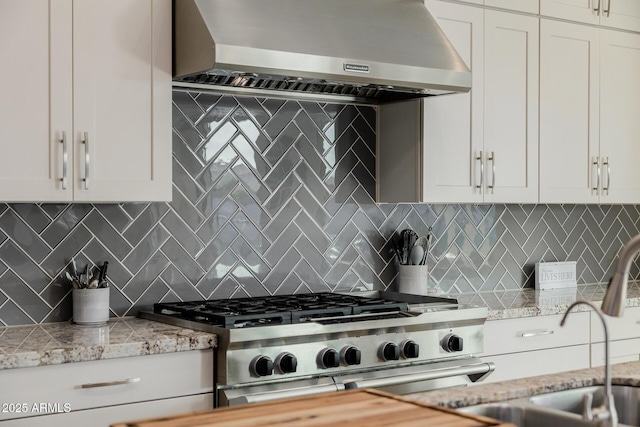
400, 380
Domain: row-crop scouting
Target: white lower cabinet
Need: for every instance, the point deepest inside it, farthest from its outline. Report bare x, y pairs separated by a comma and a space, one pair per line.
116, 414
531, 346
624, 336
100, 393
540, 362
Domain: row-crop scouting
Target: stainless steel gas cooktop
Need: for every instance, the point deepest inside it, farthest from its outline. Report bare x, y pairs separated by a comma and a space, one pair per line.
277, 346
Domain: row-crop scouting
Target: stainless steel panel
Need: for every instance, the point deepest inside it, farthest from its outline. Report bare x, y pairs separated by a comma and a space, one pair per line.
302, 45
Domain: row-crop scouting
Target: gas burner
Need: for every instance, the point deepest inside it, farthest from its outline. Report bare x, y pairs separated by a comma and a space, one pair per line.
283, 309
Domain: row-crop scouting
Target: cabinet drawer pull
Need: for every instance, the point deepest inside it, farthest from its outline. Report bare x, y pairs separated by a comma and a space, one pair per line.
110, 383
65, 160
607, 11
85, 141
596, 8
536, 333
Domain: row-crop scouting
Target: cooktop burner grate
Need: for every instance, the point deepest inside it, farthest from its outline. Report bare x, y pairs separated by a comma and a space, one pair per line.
279, 309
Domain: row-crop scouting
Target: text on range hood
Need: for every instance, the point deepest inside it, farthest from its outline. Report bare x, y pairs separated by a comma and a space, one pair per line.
368, 50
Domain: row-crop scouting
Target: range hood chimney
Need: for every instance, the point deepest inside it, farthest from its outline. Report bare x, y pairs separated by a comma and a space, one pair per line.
372, 51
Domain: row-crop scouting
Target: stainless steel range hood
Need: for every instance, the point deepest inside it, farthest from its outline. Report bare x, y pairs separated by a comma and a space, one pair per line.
362, 50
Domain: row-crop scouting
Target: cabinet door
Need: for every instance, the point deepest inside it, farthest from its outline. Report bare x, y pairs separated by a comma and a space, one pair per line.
119, 413
35, 111
122, 100
623, 14
569, 118
533, 363
619, 113
575, 10
511, 107
530, 6
452, 126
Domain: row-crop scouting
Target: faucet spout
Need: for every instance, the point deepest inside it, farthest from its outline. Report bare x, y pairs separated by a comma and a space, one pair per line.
614, 299
606, 415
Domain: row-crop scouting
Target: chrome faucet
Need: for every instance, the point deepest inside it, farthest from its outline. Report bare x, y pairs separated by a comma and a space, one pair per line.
612, 304
606, 414
614, 298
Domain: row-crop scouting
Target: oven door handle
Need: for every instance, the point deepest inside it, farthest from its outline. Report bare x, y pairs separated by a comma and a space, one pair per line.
476, 372
281, 394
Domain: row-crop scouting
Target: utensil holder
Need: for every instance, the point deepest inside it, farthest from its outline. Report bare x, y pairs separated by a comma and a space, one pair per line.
90, 306
413, 279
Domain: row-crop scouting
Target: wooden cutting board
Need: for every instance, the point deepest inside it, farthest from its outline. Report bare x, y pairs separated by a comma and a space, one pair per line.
371, 408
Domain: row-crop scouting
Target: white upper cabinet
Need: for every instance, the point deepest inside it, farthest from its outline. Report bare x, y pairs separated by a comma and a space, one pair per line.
569, 104
511, 107
453, 147
36, 107
482, 146
589, 130
88, 111
619, 116
622, 14
475, 147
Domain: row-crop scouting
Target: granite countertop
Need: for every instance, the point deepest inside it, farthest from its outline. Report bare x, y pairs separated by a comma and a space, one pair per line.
64, 342
529, 302
621, 374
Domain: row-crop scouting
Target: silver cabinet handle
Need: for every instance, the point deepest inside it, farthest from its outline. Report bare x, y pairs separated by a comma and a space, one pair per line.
607, 11
606, 162
536, 333
479, 187
65, 160
596, 8
111, 383
596, 163
85, 141
493, 171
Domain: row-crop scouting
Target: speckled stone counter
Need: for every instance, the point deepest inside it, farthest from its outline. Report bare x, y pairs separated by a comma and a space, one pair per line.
56, 343
529, 302
622, 374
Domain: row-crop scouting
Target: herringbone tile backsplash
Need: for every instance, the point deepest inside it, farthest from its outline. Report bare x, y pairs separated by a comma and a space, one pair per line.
277, 197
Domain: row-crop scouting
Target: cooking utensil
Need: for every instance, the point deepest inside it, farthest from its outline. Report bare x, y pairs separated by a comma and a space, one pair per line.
103, 275
417, 253
426, 251
93, 283
423, 243
74, 268
408, 238
72, 280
